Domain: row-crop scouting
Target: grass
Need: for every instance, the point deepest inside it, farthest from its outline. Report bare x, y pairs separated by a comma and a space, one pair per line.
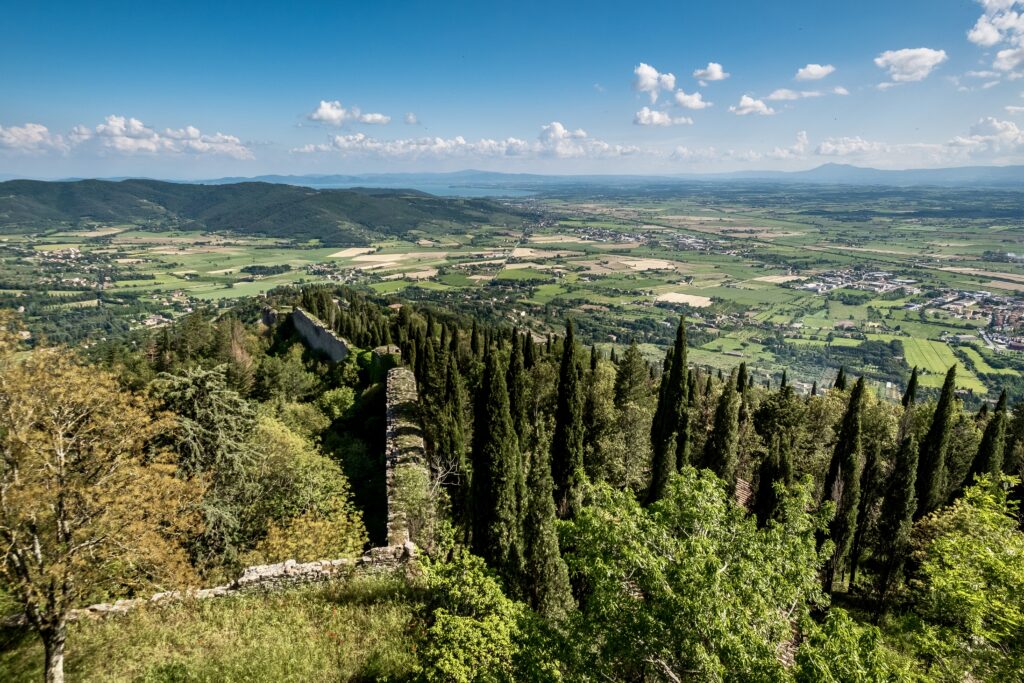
359, 630
982, 366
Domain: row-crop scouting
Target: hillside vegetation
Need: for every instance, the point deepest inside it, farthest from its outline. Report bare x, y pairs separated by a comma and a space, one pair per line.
334, 217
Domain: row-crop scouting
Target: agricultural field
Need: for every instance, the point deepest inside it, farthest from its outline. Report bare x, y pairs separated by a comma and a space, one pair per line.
778, 278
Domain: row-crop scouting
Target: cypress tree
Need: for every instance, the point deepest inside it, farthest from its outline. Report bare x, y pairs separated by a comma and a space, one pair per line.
741, 376
529, 351
519, 410
840, 382
567, 444
897, 517
870, 490
814, 388
842, 484
452, 445
631, 377
931, 475
475, 344
989, 459
910, 395
668, 417
721, 451
784, 382
546, 577
777, 466
497, 529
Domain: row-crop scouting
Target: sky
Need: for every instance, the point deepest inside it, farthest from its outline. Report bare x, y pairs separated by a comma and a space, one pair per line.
197, 90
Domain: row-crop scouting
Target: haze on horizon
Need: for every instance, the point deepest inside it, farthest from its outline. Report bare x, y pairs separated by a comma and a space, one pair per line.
106, 89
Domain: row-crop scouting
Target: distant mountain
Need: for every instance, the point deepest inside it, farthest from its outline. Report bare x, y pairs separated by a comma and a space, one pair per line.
335, 217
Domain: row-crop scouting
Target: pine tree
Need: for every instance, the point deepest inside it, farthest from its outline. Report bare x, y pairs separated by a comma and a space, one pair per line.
931, 474
546, 577
989, 459
497, 530
910, 395
897, 517
721, 450
567, 443
842, 484
840, 382
669, 418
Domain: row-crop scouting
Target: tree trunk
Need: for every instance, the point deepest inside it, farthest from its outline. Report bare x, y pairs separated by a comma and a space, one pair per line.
53, 645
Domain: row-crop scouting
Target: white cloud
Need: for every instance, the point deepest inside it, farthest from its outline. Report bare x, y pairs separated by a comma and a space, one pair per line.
410, 119
691, 101
652, 117
1012, 109
795, 151
554, 140
910, 64
748, 105
840, 90
130, 136
785, 94
712, 72
848, 146
814, 72
1001, 24
30, 138
647, 79
334, 114
990, 136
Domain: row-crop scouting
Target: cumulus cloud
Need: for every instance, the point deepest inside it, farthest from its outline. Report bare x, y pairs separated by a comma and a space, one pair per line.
785, 94
691, 100
712, 72
410, 119
129, 135
554, 140
795, 151
910, 64
333, 113
840, 90
652, 117
814, 72
31, 138
649, 80
990, 136
1001, 23
749, 105
848, 146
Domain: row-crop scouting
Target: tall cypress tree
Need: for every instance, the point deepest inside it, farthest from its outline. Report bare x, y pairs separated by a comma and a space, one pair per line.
989, 459
870, 490
842, 484
567, 444
668, 418
631, 378
721, 450
546, 577
497, 530
931, 474
910, 395
777, 466
897, 517
519, 410
741, 376
840, 382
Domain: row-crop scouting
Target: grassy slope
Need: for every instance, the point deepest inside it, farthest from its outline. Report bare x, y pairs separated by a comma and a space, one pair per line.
362, 630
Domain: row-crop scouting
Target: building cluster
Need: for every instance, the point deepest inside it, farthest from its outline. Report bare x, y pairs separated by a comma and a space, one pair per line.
875, 281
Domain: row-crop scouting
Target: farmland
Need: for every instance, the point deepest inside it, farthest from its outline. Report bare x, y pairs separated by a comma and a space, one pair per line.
802, 280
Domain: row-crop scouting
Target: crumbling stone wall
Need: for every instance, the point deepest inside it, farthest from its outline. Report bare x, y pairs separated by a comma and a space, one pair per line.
318, 336
411, 501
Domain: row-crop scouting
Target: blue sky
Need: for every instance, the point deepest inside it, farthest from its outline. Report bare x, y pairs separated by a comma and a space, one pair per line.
194, 90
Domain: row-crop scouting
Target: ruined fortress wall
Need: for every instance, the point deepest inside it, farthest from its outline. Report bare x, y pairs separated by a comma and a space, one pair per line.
411, 504
318, 336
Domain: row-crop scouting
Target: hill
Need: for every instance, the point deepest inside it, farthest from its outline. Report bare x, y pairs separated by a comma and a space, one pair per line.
332, 216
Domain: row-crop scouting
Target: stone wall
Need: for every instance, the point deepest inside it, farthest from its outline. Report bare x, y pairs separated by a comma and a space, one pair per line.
269, 577
318, 336
411, 504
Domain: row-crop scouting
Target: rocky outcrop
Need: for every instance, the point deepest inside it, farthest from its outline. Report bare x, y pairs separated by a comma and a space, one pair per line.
411, 504
318, 336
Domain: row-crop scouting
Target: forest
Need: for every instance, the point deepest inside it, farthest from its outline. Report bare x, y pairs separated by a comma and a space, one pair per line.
594, 516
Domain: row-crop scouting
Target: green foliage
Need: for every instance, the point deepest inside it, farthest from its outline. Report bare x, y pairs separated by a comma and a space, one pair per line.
842, 484
971, 557
843, 651
721, 453
567, 442
688, 588
931, 471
